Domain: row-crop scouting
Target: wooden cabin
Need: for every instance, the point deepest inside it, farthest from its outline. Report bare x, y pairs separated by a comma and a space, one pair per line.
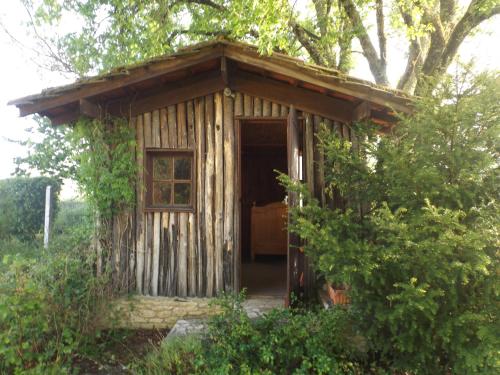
213, 124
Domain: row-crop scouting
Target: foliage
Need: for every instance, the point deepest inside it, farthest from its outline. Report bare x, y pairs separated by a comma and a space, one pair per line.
48, 303
112, 33
422, 260
107, 167
284, 341
22, 203
98, 155
53, 155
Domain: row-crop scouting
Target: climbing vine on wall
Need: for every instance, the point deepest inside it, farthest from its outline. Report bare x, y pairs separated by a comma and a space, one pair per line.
107, 167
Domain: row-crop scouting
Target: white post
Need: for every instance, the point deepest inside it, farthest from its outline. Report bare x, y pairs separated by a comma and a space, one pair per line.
46, 227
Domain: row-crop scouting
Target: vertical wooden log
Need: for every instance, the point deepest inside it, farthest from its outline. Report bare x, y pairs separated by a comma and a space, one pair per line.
172, 126
238, 111
309, 151
172, 271
319, 177
148, 254
182, 274
275, 109
229, 198
155, 264
182, 140
219, 193
139, 220
192, 257
293, 275
209, 194
155, 134
164, 128
190, 124
266, 108
164, 252
147, 130
200, 191
257, 107
284, 111
247, 105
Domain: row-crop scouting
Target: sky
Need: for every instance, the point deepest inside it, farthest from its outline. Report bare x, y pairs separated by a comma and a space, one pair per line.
21, 75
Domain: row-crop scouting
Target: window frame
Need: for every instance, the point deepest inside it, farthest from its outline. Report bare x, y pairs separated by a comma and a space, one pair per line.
150, 154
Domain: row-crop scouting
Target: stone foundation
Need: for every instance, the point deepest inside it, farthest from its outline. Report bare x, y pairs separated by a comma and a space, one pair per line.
156, 312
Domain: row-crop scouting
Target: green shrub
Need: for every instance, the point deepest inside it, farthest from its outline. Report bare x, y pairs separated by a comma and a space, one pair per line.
22, 203
284, 341
422, 260
47, 304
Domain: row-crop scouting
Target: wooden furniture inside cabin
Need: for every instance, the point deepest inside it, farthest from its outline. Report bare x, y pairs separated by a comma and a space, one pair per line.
268, 229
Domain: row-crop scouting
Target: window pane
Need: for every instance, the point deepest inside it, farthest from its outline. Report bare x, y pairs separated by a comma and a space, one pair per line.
182, 193
162, 193
162, 168
182, 168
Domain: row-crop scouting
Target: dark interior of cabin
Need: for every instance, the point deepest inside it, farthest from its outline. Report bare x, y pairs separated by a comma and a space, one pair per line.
263, 207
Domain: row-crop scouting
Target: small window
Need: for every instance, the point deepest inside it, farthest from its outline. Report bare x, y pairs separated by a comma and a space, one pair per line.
169, 177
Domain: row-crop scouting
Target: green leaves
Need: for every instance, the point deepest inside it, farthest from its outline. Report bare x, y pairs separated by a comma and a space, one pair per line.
422, 258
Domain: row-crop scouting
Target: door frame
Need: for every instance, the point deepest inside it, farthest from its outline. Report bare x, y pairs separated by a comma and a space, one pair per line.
239, 123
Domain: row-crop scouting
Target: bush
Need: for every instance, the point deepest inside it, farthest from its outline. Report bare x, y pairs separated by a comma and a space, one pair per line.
422, 258
284, 341
47, 304
22, 203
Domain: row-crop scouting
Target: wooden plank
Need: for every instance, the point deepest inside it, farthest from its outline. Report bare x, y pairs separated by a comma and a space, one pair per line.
139, 219
164, 254
164, 128
172, 126
284, 110
293, 275
229, 198
192, 257
182, 140
238, 104
257, 107
155, 261
330, 82
303, 99
182, 273
200, 191
149, 71
275, 109
361, 111
155, 133
209, 195
148, 253
219, 193
171, 279
190, 124
89, 109
148, 140
266, 108
309, 151
247, 105
319, 174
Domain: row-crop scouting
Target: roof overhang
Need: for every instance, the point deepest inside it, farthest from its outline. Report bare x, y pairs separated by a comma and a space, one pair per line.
213, 66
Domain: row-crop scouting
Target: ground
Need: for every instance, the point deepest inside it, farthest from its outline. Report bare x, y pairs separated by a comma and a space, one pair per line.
119, 350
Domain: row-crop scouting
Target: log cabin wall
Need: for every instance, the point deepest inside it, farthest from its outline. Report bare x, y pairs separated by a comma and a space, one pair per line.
196, 253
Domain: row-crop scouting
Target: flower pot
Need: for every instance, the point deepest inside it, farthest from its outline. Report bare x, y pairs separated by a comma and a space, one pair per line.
338, 296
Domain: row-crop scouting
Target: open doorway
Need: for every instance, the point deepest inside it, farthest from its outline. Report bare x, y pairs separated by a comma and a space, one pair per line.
263, 150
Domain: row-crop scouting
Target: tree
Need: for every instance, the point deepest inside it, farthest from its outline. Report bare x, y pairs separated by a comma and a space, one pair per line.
421, 257
117, 32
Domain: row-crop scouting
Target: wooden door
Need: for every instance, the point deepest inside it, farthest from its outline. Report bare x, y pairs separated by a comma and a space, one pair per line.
293, 266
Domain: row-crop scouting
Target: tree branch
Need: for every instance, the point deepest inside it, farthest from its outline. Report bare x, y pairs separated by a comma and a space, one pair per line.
414, 61
382, 41
377, 67
305, 41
